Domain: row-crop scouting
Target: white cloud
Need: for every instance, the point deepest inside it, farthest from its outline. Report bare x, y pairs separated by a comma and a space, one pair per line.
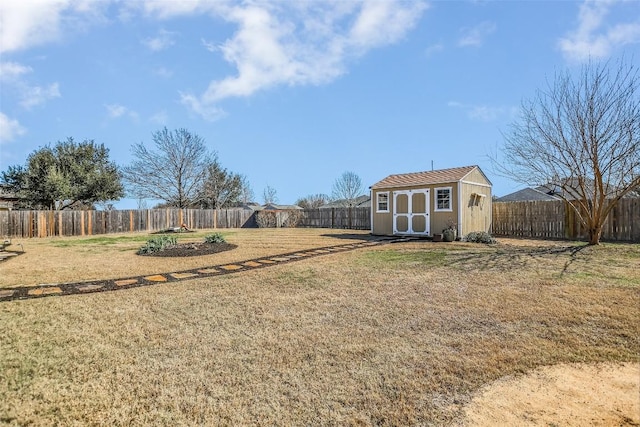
594, 37
28, 23
163, 40
13, 75
433, 49
36, 95
163, 72
9, 129
210, 46
483, 113
171, 8
207, 111
298, 43
384, 22
11, 71
116, 111
160, 118
475, 36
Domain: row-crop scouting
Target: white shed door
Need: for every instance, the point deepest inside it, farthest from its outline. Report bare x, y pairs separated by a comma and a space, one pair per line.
411, 212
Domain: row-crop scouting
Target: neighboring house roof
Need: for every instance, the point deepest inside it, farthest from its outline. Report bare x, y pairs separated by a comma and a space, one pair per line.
250, 205
7, 199
565, 190
274, 207
360, 202
569, 188
426, 178
526, 195
553, 191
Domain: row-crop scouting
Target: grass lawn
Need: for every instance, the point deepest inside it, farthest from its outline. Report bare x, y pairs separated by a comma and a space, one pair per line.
75, 259
398, 334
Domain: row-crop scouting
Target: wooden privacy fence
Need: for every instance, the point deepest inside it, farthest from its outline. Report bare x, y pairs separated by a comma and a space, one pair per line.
540, 219
557, 220
87, 223
22, 224
351, 218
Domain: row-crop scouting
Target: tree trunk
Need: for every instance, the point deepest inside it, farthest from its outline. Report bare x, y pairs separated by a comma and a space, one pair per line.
594, 234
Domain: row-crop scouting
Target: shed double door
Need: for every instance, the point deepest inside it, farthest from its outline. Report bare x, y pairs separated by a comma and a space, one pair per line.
411, 212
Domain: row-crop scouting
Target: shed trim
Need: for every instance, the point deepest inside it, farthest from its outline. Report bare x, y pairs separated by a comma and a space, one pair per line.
460, 221
377, 202
436, 208
476, 183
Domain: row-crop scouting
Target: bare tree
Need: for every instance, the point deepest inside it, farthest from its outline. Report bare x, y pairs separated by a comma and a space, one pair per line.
269, 195
246, 192
580, 137
348, 187
313, 201
173, 172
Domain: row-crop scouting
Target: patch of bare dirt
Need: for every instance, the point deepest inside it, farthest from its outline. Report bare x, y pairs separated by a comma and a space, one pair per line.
604, 394
192, 249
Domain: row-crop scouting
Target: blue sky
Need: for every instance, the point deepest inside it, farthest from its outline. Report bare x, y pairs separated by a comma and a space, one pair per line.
292, 94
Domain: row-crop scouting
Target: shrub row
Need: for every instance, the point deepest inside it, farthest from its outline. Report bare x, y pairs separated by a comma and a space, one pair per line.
479, 237
270, 219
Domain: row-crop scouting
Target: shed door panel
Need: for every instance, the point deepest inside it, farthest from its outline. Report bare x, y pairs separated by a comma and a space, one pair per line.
411, 212
418, 224
401, 204
402, 224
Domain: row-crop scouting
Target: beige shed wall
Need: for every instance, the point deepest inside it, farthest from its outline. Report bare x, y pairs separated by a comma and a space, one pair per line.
476, 211
441, 219
382, 223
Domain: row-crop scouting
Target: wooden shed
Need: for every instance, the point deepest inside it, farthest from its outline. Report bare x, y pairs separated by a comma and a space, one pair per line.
425, 203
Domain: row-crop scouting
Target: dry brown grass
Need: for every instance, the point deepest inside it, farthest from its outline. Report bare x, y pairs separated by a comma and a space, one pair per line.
74, 259
400, 334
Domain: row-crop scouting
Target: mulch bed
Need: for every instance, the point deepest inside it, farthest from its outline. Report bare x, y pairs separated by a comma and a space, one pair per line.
192, 249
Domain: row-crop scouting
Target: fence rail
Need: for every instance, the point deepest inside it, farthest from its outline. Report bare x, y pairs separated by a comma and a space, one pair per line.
540, 219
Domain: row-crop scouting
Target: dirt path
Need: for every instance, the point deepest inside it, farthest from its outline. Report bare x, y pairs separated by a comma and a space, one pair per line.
562, 395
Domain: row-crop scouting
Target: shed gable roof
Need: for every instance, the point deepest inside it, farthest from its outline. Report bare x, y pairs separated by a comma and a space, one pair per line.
425, 178
275, 207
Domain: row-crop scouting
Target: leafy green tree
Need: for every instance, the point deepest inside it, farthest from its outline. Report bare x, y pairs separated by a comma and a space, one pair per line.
12, 178
64, 176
